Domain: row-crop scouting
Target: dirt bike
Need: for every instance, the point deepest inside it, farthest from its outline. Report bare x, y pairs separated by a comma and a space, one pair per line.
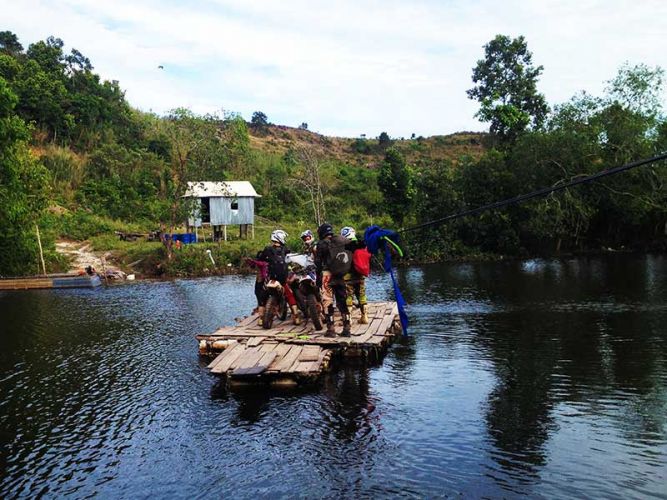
307, 293
276, 305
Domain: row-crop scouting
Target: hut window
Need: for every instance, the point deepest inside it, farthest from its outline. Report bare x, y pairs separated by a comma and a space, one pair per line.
235, 204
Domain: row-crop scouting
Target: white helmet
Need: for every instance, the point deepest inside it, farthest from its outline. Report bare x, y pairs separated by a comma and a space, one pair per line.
349, 233
279, 236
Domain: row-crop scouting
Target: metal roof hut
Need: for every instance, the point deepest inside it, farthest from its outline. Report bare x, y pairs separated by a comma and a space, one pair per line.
222, 204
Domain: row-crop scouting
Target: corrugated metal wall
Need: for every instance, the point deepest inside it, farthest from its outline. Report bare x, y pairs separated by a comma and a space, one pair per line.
223, 215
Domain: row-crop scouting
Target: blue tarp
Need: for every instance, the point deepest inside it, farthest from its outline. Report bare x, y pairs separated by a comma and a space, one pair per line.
378, 239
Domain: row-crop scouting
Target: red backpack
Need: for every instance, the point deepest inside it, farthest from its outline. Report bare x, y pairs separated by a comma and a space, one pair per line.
361, 259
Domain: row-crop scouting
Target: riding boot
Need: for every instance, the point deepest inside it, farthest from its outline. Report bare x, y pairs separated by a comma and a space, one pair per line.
331, 332
295, 314
346, 326
260, 313
363, 320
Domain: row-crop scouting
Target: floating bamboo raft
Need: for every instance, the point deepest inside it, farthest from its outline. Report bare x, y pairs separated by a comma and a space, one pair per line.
290, 355
50, 281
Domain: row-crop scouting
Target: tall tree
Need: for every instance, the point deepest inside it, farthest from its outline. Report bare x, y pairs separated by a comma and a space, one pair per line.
506, 87
236, 145
9, 43
396, 181
259, 120
189, 137
23, 190
310, 179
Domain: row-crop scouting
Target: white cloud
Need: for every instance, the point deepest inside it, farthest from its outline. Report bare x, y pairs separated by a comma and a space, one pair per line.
345, 67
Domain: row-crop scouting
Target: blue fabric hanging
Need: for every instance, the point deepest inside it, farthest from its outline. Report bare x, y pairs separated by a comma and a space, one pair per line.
378, 239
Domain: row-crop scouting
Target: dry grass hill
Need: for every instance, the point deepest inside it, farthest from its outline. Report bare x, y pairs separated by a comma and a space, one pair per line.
278, 139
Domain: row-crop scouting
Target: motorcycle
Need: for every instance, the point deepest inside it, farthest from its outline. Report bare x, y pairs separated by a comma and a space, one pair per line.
306, 291
276, 305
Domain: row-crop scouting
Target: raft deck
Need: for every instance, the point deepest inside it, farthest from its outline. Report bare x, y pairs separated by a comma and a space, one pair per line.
50, 281
289, 355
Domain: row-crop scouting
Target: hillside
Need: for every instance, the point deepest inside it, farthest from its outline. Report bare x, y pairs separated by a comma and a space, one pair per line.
279, 139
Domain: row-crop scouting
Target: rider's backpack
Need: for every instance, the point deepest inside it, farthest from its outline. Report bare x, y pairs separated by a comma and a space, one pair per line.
277, 264
361, 259
340, 259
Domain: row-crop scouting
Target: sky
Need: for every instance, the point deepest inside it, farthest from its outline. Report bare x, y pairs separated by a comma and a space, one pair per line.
347, 67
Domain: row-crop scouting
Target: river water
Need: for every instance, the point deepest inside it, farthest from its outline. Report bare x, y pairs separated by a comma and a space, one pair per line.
538, 378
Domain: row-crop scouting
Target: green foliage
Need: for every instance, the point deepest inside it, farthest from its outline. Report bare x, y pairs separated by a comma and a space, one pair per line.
384, 141
23, 191
506, 88
9, 43
67, 172
236, 146
108, 167
360, 145
259, 121
396, 182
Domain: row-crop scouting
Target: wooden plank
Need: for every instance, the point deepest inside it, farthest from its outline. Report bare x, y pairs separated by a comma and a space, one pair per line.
247, 321
268, 346
370, 331
289, 359
386, 323
245, 333
221, 356
265, 359
281, 350
301, 367
225, 353
249, 358
255, 341
317, 365
231, 355
310, 353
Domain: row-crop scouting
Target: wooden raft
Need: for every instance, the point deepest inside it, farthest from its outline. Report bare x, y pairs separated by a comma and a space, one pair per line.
51, 281
289, 355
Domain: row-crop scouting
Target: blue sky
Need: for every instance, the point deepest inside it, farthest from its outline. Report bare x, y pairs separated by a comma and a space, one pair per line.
346, 67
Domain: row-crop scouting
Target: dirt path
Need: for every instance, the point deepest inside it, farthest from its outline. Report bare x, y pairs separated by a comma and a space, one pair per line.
81, 255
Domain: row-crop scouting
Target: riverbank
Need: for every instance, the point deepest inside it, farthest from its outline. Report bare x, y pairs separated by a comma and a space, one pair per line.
149, 259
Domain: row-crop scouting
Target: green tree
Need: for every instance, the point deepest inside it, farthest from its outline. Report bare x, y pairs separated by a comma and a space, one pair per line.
438, 197
23, 191
383, 140
9, 44
396, 182
506, 88
190, 137
236, 145
259, 120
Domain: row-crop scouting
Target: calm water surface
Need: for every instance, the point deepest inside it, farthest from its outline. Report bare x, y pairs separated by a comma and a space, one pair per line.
541, 378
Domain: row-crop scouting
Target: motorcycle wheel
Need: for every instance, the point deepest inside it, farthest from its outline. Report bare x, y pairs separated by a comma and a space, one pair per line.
313, 312
269, 312
301, 301
283, 309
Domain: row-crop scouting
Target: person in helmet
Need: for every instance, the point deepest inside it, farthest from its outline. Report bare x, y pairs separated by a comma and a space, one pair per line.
308, 242
355, 283
275, 255
332, 285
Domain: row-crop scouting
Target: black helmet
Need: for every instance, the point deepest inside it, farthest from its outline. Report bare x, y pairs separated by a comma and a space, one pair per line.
325, 230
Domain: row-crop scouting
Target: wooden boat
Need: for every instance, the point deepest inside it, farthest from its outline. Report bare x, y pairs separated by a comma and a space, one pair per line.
51, 281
